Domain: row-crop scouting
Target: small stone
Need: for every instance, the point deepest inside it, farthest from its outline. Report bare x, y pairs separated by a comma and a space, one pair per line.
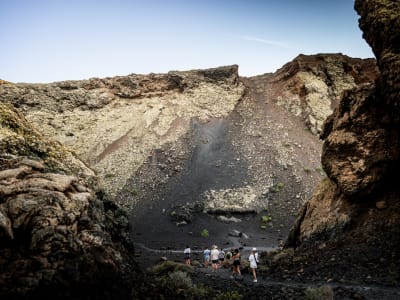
245, 236
235, 233
381, 204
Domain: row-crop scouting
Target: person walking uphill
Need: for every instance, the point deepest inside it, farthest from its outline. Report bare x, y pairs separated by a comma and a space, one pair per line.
214, 258
186, 255
253, 259
221, 257
236, 263
206, 255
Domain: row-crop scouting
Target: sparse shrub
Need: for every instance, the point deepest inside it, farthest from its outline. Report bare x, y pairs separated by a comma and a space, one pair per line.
266, 219
109, 175
180, 280
168, 267
307, 170
199, 291
204, 233
229, 296
324, 292
278, 187
263, 227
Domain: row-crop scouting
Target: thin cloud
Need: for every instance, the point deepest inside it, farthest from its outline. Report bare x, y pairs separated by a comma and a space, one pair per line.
267, 42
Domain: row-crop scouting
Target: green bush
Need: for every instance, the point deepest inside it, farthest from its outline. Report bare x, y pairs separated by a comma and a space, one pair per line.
266, 219
167, 267
204, 233
180, 280
229, 296
324, 292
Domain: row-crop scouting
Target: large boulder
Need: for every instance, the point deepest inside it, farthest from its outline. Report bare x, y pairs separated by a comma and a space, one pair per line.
57, 233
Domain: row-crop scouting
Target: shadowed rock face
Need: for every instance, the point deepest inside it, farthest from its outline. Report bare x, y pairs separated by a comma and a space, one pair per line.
56, 231
361, 148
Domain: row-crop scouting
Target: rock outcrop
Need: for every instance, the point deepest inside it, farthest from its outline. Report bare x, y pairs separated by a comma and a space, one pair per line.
115, 123
359, 199
57, 233
311, 86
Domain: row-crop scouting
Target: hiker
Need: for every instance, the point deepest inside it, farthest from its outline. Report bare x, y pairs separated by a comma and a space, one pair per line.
221, 257
206, 254
214, 258
236, 262
253, 259
186, 254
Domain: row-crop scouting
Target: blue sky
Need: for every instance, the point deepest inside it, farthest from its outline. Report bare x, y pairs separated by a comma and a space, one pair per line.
45, 41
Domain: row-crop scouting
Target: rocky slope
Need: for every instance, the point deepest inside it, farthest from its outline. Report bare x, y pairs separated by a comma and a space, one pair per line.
58, 235
354, 213
170, 147
311, 86
360, 153
115, 123
203, 140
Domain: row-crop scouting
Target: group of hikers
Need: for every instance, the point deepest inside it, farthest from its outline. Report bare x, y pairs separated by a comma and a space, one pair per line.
216, 257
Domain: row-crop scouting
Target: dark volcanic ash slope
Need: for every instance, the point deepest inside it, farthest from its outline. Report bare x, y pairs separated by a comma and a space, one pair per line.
259, 161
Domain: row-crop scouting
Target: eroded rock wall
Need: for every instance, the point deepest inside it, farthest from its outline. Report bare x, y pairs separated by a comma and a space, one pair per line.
57, 232
114, 124
361, 147
311, 86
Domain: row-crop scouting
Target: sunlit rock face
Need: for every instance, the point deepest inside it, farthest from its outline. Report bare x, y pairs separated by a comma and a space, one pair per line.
56, 231
115, 123
361, 147
311, 86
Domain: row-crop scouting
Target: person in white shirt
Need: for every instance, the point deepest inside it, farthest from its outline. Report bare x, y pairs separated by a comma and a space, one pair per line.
253, 258
186, 254
214, 258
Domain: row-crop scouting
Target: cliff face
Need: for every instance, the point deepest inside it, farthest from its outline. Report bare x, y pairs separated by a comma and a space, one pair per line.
115, 123
311, 86
56, 231
361, 150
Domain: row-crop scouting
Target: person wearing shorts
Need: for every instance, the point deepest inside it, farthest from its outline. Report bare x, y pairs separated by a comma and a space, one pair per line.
214, 258
221, 257
186, 255
206, 255
236, 263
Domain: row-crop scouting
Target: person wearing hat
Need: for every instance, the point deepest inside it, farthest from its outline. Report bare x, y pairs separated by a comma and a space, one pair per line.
253, 258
